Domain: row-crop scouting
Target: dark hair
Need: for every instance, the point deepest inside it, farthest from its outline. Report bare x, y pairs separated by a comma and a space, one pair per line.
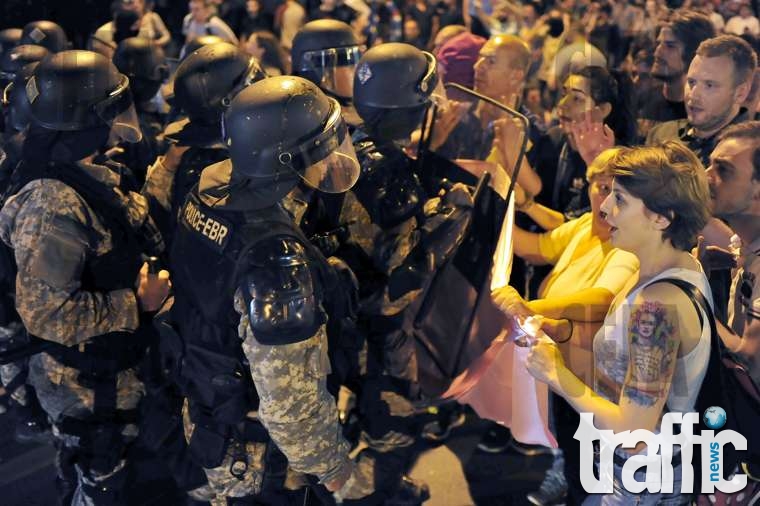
691, 28
671, 181
741, 53
746, 130
274, 54
615, 88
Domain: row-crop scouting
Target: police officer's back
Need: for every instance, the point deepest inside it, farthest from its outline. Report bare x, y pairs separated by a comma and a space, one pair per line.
78, 237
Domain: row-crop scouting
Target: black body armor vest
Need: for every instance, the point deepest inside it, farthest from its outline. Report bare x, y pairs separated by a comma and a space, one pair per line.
212, 252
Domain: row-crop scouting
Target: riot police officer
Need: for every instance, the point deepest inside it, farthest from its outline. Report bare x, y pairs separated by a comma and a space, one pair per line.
16, 66
391, 227
167, 90
204, 85
19, 397
77, 238
144, 63
251, 296
45, 33
326, 52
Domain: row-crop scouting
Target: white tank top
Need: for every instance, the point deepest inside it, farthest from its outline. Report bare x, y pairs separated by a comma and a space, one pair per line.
611, 352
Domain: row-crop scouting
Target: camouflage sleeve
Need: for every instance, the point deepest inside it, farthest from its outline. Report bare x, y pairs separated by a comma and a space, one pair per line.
295, 406
53, 233
159, 183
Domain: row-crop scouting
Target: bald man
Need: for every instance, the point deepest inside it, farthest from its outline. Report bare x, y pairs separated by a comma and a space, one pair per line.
485, 132
501, 69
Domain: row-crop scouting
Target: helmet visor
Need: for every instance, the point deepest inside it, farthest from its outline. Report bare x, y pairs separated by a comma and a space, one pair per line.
337, 173
118, 111
327, 162
336, 66
253, 74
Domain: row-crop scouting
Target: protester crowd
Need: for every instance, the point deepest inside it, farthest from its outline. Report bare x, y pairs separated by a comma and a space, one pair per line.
226, 224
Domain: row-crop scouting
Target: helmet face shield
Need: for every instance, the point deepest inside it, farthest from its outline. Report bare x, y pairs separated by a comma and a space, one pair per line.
336, 66
253, 73
327, 162
118, 111
336, 173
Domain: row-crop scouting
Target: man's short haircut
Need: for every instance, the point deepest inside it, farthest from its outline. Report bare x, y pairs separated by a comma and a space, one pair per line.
741, 53
749, 130
690, 27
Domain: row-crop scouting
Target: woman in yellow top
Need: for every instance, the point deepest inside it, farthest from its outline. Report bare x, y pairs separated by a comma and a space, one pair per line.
588, 273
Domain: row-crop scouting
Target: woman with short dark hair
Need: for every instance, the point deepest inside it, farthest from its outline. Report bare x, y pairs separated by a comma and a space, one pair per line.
657, 207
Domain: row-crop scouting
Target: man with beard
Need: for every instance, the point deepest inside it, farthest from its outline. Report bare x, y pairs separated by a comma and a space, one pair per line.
717, 84
734, 179
677, 42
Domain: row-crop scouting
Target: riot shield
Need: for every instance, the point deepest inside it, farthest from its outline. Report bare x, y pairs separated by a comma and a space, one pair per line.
453, 318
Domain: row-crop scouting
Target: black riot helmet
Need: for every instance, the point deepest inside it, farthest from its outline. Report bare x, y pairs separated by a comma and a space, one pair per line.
285, 128
394, 85
198, 42
208, 80
17, 58
79, 90
326, 53
144, 63
16, 110
46, 34
9, 38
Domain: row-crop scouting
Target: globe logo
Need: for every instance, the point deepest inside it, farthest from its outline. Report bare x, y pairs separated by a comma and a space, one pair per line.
714, 417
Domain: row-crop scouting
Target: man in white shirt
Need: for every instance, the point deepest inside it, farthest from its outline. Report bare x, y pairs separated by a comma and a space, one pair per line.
202, 20
745, 22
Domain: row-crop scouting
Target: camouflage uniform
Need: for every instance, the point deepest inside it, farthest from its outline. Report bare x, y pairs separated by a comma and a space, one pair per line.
53, 232
288, 378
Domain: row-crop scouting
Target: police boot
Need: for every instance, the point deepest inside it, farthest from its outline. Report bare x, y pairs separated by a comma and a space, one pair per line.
410, 493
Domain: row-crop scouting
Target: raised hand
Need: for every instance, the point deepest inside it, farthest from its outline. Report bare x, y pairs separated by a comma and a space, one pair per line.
591, 138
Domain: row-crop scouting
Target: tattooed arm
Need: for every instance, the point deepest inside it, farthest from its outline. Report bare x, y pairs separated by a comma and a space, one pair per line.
653, 340
653, 347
